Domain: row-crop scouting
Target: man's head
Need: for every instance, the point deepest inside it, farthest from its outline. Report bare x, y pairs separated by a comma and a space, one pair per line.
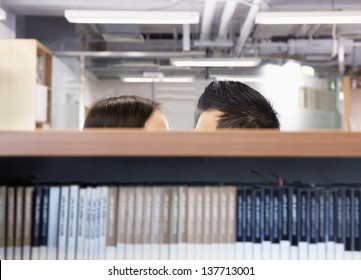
229, 104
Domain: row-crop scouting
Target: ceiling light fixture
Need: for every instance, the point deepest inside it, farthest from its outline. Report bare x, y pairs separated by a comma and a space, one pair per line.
132, 17
2, 14
140, 79
309, 17
216, 62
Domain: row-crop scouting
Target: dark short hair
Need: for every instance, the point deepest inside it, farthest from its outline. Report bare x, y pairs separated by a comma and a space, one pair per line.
121, 111
241, 105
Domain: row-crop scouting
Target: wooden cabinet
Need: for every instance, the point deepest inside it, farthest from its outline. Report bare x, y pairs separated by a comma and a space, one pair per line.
25, 84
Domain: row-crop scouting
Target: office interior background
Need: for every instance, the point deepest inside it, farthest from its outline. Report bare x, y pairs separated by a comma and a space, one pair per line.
309, 71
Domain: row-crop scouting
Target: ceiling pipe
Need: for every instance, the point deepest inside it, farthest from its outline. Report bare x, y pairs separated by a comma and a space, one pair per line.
247, 26
227, 14
207, 18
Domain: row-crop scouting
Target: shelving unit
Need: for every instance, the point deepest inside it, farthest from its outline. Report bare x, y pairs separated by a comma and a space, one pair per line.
131, 156
25, 84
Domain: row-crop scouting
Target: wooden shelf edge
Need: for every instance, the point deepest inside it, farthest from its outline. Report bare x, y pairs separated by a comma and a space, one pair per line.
113, 143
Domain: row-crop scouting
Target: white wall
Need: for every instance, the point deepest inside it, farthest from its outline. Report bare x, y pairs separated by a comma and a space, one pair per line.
8, 26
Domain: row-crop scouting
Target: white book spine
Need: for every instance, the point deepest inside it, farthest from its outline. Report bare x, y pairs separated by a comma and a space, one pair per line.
146, 251
155, 229
266, 250
257, 251
42, 253
111, 252
63, 222
81, 224
173, 251
276, 252
27, 253
239, 250
92, 229
331, 250
231, 251
35, 253
340, 251
54, 198
222, 251
248, 250
121, 223
285, 247
321, 251
138, 251
312, 251
294, 253
120, 251
98, 192
103, 222
72, 221
303, 251
17, 253
215, 249
164, 251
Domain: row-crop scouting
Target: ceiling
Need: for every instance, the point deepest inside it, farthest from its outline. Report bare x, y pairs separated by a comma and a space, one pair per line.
228, 30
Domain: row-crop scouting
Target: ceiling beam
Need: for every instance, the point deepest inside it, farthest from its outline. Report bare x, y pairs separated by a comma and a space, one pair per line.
207, 18
227, 14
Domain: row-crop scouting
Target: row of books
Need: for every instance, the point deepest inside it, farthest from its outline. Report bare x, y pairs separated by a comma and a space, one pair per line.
180, 222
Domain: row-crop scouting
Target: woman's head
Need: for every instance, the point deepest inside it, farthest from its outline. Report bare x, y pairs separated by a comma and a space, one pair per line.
127, 112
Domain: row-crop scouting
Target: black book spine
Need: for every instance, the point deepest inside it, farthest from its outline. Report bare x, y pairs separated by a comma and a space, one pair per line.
35, 236
249, 216
313, 217
267, 214
44, 217
293, 216
339, 216
330, 225
348, 220
285, 234
240, 215
275, 216
303, 227
322, 216
257, 216
357, 211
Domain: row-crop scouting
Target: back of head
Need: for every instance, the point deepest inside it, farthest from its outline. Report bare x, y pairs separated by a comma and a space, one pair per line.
240, 105
122, 111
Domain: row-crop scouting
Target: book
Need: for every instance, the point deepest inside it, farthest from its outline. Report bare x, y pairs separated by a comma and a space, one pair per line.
121, 222
19, 222
231, 222
207, 221
63, 222
103, 222
357, 227
313, 224
155, 224
82, 222
165, 223
173, 231
222, 220
43, 242
285, 243
190, 232
182, 223
248, 230
215, 223
198, 223
330, 225
27, 217
72, 222
88, 223
138, 222
36, 222
257, 225
321, 246
111, 245
54, 199
349, 242
240, 224
303, 224
267, 221
340, 223
129, 229
293, 222
146, 223
2, 222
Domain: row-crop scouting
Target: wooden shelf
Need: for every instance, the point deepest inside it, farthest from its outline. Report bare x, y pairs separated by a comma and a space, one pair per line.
118, 143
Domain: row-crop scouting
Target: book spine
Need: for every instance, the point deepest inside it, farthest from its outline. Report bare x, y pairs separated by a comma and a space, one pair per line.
72, 222
207, 252
92, 222
198, 225
35, 237
276, 224
330, 225
348, 225
321, 246
182, 225
257, 224
28, 214
63, 222
129, 230
266, 244
19, 223
147, 219
293, 222
103, 222
111, 223
231, 222
284, 222
54, 198
138, 221
87, 227
97, 212
121, 222
44, 224
173, 250
340, 223
357, 229
80, 236
222, 220
165, 224
155, 225
190, 222
2, 222
312, 255
303, 226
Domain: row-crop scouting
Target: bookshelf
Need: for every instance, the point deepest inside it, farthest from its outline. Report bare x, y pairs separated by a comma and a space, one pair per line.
132, 156
25, 84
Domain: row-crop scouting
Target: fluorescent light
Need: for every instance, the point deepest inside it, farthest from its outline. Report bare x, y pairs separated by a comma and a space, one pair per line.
243, 79
309, 17
216, 62
131, 17
2, 14
140, 79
